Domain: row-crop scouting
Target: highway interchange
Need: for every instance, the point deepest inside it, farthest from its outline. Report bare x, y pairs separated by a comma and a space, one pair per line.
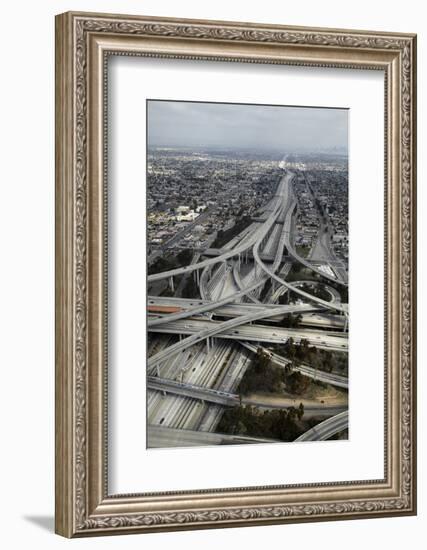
199, 349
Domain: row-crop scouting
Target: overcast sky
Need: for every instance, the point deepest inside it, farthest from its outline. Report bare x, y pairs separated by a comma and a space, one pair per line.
186, 124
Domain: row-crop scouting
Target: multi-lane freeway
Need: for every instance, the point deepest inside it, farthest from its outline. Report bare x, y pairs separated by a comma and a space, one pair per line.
234, 330
258, 234
228, 399
163, 436
238, 328
311, 315
199, 349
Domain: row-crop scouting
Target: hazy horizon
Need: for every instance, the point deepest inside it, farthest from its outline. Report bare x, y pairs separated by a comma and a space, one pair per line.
240, 126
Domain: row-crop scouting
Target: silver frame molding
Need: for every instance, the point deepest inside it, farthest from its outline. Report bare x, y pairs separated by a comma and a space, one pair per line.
83, 43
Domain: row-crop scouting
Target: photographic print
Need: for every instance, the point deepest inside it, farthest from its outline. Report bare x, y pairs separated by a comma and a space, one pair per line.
247, 261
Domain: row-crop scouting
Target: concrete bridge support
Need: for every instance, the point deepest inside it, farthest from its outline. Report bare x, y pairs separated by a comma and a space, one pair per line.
346, 323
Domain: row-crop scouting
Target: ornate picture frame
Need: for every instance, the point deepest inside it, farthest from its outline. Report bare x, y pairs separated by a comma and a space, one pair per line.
83, 43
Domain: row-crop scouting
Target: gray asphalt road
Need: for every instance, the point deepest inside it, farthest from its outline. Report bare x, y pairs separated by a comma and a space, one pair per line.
327, 428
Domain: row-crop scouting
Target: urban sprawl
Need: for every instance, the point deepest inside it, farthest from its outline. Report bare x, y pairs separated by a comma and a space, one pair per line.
247, 258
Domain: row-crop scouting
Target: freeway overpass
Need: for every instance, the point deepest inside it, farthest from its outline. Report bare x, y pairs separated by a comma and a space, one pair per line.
240, 329
216, 368
229, 399
343, 308
336, 380
257, 235
190, 390
216, 252
337, 306
254, 242
326, 429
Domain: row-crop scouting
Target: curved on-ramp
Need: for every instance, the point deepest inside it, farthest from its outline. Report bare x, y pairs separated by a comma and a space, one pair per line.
326, 429
255, 241
218, 328
316, 374
259, 233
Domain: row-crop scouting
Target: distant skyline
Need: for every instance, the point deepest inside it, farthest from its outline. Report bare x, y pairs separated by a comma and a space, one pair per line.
261, 127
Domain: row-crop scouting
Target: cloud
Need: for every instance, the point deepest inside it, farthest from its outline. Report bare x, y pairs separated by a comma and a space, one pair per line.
188, 124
